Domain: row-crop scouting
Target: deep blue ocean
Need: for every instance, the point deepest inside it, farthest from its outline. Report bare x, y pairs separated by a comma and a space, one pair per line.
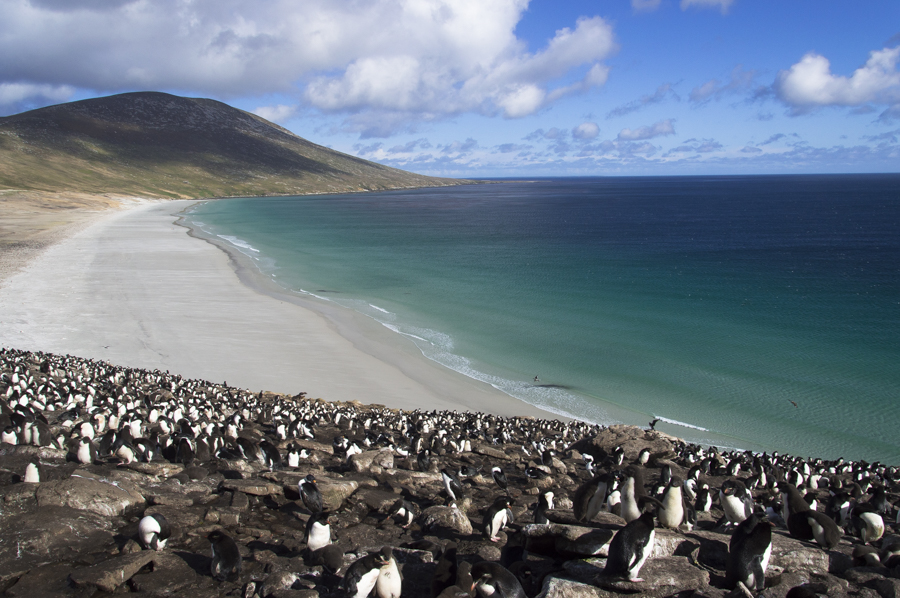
758, 312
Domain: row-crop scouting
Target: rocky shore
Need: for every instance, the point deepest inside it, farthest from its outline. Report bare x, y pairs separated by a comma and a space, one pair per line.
90, 450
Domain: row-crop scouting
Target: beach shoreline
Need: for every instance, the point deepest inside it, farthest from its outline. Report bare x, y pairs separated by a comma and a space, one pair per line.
140, 292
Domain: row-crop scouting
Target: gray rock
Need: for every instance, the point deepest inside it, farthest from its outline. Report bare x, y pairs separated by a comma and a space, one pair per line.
372, 461
564, 541
52, 534
96, 494
445, 519
489, 451
109, 575
253, 486
169, 575
557, 587
662, 577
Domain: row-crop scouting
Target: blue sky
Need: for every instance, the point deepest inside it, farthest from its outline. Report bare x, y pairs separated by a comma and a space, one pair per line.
499, 87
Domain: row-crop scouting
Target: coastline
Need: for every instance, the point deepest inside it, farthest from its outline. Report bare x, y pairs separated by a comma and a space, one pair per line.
140, 293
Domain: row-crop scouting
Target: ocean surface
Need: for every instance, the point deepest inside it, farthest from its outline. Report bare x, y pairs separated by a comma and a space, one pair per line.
754, 312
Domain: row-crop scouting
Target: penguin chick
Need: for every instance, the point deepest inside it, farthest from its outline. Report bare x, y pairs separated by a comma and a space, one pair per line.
630, 548
154, 532
226, 556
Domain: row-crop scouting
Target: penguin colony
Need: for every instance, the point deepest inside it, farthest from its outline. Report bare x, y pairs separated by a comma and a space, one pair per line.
356, 498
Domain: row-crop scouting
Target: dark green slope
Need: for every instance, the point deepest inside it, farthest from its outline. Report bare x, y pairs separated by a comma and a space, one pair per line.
160, 145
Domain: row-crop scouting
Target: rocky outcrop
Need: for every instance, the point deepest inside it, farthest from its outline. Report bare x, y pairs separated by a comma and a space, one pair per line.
75, 532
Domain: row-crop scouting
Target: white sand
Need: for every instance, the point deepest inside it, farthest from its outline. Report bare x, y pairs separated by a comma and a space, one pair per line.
134, 289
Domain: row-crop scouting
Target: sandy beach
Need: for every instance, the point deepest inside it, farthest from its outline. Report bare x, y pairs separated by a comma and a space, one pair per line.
132, 287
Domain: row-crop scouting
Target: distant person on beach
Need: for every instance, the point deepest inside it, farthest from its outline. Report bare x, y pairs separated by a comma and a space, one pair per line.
536, 380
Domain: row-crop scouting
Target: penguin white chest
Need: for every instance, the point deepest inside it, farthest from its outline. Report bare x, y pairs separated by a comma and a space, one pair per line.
319, 536
366, 583
672, 513
389, 582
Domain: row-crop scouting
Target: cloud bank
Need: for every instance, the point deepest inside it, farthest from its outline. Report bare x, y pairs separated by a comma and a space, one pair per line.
428, 58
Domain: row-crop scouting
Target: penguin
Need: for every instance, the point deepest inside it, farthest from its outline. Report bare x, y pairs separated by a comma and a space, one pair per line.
154, 532
591, 496
644, 456
445, 571
630, 548
536, 473
496, 518
493, 580
545, 504
318, 531
794, 511
632, 488
32, 474
451, 485
748, 553
588, 463
361, 576
226, 556
390, 580
310, 494
405, 511
271, 457
423, 460
868, 524
825, 531
500, 478
736, 501
86, 452
673, 511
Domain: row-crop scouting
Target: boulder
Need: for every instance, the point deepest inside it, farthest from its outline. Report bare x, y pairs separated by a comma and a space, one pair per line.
372, 461
98, 495
566, 541
443, 520
110, 574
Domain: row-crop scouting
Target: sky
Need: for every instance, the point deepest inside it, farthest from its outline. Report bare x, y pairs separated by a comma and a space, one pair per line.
499, 88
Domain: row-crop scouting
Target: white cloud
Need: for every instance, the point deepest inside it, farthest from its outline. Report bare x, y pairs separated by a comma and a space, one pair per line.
810, 82
663, 127
645, 5
428, 58
722, 5
586, 131
16, 97
276, 114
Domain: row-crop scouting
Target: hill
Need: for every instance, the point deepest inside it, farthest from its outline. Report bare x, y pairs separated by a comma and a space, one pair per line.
159, 145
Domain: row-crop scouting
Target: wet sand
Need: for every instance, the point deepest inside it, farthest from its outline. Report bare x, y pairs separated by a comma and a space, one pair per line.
133, 288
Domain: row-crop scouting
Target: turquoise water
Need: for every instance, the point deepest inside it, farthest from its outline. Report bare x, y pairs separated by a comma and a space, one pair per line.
715, 303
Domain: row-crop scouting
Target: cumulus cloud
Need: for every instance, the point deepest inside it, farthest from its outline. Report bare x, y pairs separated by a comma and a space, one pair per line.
722, 5
810, 83
404, 57
662, 92
586, 131
663, 127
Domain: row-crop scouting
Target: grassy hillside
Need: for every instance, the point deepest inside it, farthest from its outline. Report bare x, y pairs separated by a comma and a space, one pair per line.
160, 145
